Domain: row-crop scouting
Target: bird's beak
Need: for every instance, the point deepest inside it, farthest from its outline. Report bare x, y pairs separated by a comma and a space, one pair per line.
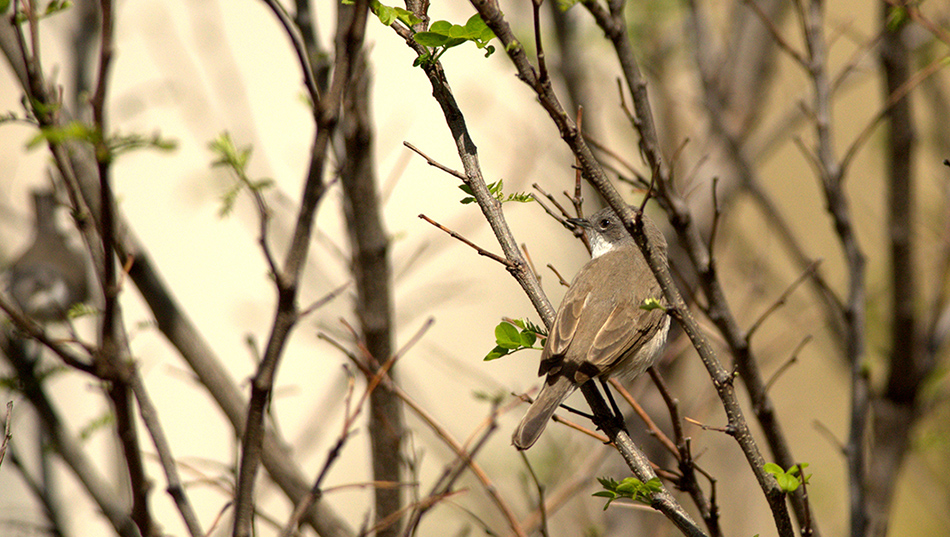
579, 222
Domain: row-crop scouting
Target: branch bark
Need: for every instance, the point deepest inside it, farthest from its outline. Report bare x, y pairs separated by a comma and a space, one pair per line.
369, 259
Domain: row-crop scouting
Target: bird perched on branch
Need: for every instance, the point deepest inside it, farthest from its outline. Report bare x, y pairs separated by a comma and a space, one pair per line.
600, 329
50, 276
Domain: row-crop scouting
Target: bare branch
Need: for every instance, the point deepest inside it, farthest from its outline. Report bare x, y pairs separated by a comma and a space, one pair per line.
481, 251
782, 299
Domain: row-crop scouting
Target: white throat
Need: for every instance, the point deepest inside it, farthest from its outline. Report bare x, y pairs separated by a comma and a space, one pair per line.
599, 245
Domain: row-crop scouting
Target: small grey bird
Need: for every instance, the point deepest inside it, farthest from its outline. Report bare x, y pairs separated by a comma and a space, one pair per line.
50, 277
600, 329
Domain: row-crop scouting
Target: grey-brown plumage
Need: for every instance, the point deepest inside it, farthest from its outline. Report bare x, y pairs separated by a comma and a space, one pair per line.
600, 329
50, 277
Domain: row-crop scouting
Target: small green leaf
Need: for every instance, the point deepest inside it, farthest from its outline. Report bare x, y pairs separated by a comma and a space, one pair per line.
773, 468
630, 488
507, 336
651, 304
407, 17
386, 14
496, 353
55, 6
72, 131
564, 5
528, 338
97, 424
440, 27
80, 310
789, 480
897, 18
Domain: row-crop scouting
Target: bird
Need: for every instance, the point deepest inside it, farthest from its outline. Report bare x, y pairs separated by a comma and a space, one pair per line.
600, 329
50, 276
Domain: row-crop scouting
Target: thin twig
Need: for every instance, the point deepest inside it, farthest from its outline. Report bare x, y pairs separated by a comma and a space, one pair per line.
479, 249
7, 435
300, 48
324, 300
652, 427
542, 509
435, 163
782, 299
175, 488
776, 34
788, 363
560, 278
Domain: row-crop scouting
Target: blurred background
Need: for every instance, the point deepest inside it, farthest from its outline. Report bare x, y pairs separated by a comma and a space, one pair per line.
191, 70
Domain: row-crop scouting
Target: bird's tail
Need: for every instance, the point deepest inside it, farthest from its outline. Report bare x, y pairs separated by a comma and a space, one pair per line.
541, 410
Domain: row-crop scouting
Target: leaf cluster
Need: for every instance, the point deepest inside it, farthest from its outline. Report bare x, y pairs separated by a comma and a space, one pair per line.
443, 35
388, 15
111, 147
235, 159
788, 480
496, 190
512, 335
630, 488
52, 8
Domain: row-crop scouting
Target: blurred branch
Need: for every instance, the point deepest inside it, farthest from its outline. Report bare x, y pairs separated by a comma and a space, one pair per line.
107, 499
175, 488
77, 164
831, 177
372, 272
113, 360
897, 411
327, 110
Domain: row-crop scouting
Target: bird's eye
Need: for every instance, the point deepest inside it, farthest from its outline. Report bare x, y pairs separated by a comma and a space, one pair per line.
604, 223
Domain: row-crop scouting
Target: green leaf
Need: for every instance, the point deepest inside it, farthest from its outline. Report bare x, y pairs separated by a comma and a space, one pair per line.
55, 6
507, 336
407, 17
80, 310
235, 159
4, 6
437, 36
651, 304
512, 335
386, 14
443, 35
74, 130
630, 488
788, 480
495, 354
564, 5
468, 190
528, 338
525, 324
103, 421
773, 468
897, 18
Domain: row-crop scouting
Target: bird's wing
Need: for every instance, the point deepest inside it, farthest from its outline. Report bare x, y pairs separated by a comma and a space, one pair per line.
624, 332
563, 329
